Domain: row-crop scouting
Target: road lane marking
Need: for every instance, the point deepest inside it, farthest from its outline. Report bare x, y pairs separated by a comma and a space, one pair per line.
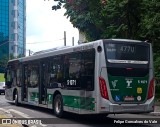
20, 113
25, 116
8, 112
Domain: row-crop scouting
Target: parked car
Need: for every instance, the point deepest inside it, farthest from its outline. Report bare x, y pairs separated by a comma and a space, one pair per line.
2, 87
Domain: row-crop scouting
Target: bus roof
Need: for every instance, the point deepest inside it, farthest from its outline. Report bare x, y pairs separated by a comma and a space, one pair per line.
67, 49
57, 51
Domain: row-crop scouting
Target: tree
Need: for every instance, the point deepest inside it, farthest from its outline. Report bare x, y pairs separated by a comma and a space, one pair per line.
150, 29
150, 20
3, 63
103, 18
132, 19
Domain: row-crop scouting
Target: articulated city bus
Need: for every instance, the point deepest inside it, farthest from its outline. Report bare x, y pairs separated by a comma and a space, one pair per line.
100, 77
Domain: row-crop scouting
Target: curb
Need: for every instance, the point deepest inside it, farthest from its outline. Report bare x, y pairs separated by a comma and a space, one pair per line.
154, 113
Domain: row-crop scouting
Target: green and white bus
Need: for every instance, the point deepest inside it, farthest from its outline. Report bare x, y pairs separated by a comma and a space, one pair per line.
100, 77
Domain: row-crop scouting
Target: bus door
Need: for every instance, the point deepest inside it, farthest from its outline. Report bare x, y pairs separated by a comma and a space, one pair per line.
87, 85
43, 83
87, 78
25, 83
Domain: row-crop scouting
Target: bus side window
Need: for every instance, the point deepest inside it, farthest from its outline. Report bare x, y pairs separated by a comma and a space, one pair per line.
14, 77
66, 66
73, 70
19, 76
33, 79
87, 75
56, 72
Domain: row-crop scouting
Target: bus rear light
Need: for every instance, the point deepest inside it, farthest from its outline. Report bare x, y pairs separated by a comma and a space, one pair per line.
151, 89
103, 88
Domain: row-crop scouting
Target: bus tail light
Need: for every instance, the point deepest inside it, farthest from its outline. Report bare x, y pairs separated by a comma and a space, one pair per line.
103, 88
151, 89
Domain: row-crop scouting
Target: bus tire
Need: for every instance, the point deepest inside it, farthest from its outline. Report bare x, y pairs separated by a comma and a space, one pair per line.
16, 99
58, 105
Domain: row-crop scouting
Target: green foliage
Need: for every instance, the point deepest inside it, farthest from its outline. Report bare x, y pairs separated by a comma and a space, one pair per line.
157, 92
157, 66
104, 18
150, 20
130, 19
3, 61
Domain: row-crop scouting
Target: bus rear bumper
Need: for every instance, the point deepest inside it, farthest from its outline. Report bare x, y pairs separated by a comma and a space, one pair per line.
146, 107
111, 108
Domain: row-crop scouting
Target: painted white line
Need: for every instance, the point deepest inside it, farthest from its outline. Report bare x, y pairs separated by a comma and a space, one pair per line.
25, 116
7, 112
19, 113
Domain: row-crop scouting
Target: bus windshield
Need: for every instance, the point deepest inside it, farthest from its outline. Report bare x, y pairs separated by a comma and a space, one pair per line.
127, 53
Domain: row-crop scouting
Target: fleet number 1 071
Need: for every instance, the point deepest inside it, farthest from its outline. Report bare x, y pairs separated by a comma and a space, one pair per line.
71, 82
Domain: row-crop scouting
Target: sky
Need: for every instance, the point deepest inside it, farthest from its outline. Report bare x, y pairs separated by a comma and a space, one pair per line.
45, 27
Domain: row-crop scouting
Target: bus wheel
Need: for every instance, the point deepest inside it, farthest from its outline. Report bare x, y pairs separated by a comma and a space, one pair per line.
16, 99
58, 105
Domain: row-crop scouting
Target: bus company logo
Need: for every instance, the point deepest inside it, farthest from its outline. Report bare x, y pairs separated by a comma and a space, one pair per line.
129, 81
114, 83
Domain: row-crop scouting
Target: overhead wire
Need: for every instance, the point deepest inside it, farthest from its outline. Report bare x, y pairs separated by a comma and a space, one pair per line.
44, 41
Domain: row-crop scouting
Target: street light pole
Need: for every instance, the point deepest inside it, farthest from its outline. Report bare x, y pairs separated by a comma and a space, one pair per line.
64, 38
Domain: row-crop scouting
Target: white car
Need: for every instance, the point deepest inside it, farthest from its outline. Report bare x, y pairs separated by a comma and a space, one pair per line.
2, 87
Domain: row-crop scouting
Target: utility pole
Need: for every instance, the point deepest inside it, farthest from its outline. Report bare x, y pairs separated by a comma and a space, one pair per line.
72, 41
29, 52
64, 38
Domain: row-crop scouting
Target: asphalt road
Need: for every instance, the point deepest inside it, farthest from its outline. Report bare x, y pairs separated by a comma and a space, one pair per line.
73, 120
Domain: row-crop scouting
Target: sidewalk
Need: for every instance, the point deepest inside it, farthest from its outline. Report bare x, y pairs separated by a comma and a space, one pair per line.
156, 111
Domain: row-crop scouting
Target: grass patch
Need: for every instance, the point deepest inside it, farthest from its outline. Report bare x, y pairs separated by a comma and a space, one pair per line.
2, 77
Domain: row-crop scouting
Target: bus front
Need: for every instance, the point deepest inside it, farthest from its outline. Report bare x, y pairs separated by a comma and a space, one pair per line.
128, 77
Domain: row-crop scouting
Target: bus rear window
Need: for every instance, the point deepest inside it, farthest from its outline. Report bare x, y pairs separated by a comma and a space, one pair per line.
127, 53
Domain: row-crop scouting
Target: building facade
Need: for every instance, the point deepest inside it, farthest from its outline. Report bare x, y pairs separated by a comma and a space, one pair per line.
12, 28
4, 28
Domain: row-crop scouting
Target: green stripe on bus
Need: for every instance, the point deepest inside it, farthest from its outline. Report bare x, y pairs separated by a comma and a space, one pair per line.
70, 101
79, 102
34, 96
